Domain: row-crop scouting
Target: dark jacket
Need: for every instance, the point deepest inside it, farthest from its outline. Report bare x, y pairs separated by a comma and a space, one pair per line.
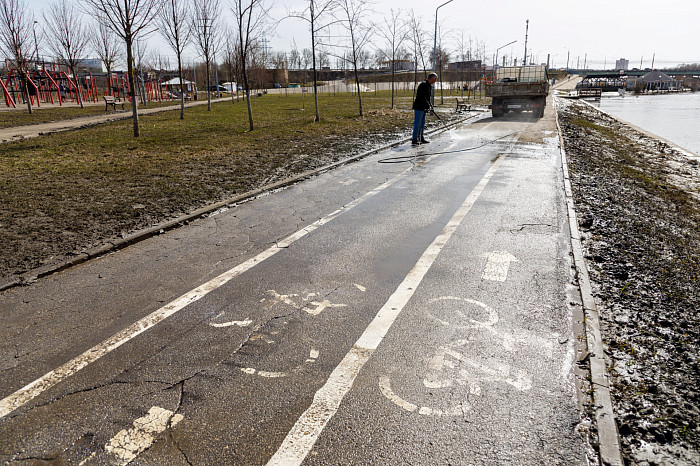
422, 101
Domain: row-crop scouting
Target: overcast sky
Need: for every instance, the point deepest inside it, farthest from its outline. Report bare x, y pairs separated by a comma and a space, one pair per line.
596, 31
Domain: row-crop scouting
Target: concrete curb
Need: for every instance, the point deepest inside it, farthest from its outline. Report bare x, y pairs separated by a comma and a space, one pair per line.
608, 436
31, 276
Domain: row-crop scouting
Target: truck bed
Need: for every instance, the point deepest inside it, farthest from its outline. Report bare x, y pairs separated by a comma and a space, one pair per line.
517, 89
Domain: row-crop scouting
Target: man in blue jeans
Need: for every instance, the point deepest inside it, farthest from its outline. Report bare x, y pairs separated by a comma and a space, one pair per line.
421, 105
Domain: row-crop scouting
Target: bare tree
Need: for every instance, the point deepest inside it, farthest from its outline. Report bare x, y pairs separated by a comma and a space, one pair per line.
250, 18
15, 34
318, 15
128, 19
207, 35
352, 17
70, 38
173, 26
106, 45
416, 37
394, 33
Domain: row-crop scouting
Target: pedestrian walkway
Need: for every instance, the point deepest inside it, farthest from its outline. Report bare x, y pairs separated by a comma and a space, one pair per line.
17, 133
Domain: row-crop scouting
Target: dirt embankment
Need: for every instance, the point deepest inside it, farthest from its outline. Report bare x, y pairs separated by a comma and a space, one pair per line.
637, 201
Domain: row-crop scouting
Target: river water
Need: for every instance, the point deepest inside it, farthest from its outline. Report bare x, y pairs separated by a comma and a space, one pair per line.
675, 117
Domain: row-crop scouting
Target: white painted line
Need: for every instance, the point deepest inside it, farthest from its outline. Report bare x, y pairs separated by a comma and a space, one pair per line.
238, 323
385, 387
313, 355
497, 265
124, 447
40, 385
360, 287
303, 435
320, 306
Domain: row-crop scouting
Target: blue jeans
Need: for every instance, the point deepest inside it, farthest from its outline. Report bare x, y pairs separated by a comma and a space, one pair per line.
418, 124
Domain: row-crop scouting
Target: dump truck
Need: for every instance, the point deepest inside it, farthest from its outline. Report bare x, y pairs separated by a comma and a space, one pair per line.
519, 89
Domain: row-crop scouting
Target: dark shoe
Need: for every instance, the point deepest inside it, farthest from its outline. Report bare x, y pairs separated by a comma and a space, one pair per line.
424, 141
415, 143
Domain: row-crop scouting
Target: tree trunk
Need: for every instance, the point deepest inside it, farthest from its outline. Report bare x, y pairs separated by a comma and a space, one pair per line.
132, 88
317, 118
25, 82
208, 84
182, 86
393, 77
247, 94
357, 82
77, 86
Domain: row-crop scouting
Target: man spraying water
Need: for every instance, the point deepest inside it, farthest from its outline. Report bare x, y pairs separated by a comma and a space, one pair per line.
421, 106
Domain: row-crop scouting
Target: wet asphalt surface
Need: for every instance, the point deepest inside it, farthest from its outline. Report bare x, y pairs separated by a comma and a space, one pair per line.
476, 369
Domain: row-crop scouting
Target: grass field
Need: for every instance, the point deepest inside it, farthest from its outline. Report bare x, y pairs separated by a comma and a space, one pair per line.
69, 191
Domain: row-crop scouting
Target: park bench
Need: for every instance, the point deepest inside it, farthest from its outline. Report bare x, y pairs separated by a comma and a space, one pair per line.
462, 105
110, 100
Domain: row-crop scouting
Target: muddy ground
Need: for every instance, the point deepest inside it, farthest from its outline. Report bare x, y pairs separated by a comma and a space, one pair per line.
638, 205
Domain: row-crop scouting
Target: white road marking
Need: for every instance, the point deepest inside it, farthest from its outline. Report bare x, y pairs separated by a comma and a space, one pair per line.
238, 323
385, 387
303, 435
320, 306
43, 383
314, 311
313, 355
492, 315
497, 265
360, 287
124, 447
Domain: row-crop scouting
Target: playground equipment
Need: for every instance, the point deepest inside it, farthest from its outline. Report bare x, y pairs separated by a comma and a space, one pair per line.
49, 83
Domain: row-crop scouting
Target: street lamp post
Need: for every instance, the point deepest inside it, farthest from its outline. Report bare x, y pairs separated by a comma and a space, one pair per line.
495, 57
435, 37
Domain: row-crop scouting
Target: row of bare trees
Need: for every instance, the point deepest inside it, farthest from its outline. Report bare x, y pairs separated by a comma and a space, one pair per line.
339, 29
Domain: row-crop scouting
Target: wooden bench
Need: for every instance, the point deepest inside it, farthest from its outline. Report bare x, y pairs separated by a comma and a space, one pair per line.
110, 100
462, 105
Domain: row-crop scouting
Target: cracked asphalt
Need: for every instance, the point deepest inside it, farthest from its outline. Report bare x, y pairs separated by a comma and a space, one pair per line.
478, 367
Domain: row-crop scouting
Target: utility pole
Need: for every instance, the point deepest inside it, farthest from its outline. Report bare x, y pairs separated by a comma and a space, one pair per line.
527, 25
653, 57
567, 61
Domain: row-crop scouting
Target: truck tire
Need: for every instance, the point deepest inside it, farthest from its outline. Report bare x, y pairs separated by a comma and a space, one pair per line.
496, 107
543, 104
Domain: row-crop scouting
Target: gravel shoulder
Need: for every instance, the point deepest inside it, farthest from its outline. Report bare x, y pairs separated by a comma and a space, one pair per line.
637, 204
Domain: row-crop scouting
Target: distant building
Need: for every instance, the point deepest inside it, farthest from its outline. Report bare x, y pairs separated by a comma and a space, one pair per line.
464, 65
653, 81
399, 65
93, 65
622, 64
